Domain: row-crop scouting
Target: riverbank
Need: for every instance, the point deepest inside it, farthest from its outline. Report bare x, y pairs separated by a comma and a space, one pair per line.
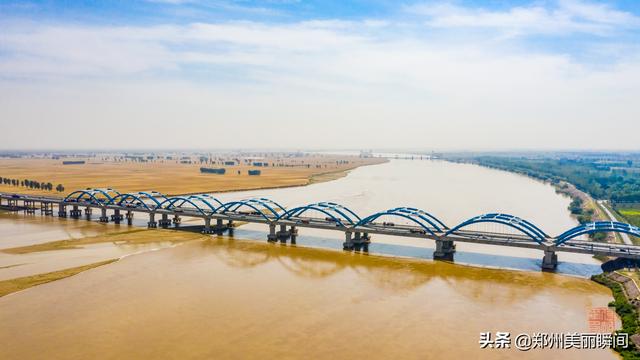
626, 310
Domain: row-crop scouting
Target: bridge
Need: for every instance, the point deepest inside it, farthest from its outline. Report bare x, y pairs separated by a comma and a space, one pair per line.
283, 223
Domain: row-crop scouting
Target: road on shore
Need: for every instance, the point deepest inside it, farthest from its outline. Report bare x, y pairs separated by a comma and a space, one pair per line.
625, 238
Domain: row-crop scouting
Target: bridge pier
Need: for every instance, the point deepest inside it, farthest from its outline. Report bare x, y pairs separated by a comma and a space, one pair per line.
87, 212
12, 204
444, 250
29, 207
129, 217
177, 220
207, 226
293, 234
103, 217
46, 208
62, 211
220, 227
361, 241
283, 234
75, 213
348, 243
272, 237
116, 217
550, 260
152, 224
164, 222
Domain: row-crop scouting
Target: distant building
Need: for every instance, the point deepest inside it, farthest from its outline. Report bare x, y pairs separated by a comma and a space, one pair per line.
213, 171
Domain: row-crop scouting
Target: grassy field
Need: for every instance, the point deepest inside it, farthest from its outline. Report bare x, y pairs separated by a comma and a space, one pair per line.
172, 177
631, 215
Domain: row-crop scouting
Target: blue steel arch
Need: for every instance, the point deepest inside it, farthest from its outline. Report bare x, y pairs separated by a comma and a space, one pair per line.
213, 208
139, 196
272, 203
263, 202
338, 208
299, 210
206, 198
525, 227
104, 192
415, 215
123, 197
153, 195
171, 204
594, 227
426, 214
82, 193
329, 209
237, 204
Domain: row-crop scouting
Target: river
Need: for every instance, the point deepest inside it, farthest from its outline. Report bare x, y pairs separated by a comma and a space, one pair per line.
231, 298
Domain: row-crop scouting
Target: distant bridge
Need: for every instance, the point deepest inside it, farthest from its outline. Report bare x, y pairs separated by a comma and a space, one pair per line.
284, 223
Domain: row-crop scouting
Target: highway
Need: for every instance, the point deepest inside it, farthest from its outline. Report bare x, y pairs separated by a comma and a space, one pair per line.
625, 238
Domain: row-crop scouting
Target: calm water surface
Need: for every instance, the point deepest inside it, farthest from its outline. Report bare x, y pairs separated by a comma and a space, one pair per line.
226, 298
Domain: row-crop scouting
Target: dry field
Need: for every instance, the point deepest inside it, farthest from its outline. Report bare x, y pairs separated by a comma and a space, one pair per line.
173, 178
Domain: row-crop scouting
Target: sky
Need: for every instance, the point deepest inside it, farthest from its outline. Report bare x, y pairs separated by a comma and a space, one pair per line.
321, 74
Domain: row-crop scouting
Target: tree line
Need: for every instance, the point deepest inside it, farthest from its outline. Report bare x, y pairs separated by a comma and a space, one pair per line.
31, 184
612, 181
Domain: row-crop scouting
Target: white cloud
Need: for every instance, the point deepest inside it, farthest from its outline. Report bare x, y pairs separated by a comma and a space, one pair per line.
388, 81
568, 16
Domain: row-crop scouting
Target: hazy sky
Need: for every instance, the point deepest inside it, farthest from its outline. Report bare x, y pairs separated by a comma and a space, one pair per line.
320, 74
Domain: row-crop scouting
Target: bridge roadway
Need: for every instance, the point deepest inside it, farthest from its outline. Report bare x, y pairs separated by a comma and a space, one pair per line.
356, 237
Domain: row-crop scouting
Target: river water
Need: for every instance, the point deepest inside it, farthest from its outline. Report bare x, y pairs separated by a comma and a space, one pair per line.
231, 298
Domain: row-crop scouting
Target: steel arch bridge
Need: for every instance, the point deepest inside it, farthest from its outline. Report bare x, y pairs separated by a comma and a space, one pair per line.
428, 222
421, 224
523, 226
595, 227
272, 211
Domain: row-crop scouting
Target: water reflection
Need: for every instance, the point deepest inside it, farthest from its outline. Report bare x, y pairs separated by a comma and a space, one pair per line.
393, 274
424, 252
